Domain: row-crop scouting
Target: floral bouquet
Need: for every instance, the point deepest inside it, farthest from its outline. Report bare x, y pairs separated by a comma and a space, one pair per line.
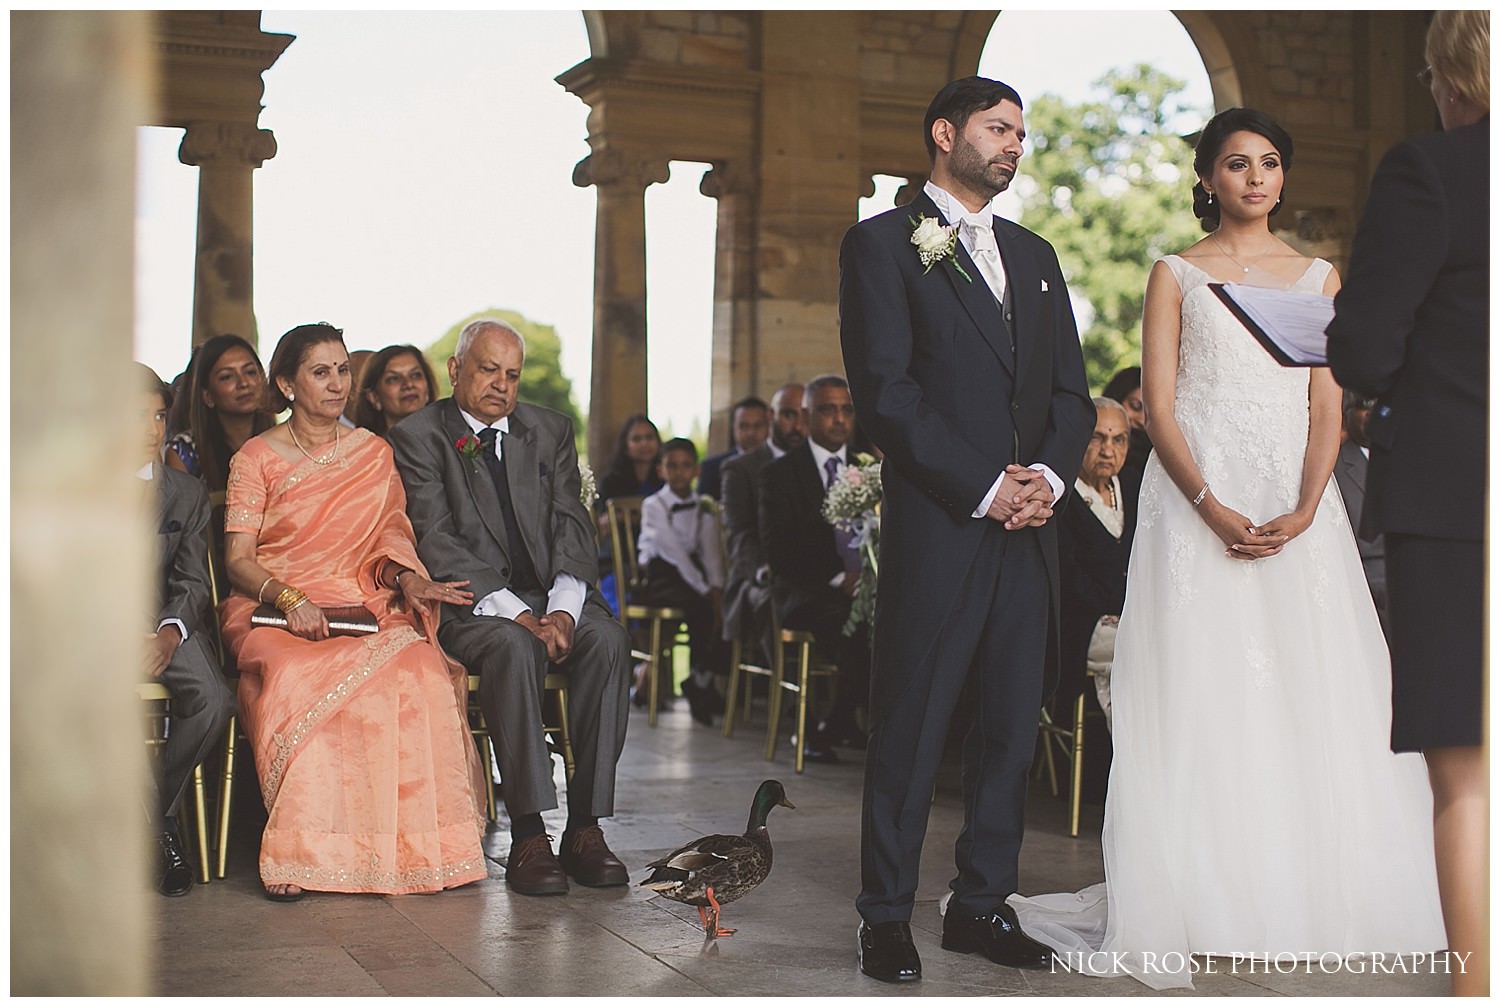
587, 491
853, 505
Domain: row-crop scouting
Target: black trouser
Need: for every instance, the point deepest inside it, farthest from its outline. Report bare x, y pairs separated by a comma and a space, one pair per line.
665, 587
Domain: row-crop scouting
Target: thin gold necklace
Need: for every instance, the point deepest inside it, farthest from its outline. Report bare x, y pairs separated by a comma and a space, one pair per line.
326, 459
1215, 236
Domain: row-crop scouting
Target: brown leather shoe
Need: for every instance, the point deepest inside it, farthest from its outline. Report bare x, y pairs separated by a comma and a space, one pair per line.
532, 868
588, 860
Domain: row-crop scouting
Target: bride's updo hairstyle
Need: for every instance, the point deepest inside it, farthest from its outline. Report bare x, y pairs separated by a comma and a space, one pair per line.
1211, 143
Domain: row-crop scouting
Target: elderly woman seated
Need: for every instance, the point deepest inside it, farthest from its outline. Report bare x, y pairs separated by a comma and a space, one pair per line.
361, 744
1094, 535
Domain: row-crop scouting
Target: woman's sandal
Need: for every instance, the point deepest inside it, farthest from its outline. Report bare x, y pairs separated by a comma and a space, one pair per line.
285, 895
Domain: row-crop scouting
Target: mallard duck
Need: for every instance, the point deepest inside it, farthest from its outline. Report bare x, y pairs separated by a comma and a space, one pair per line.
715, 870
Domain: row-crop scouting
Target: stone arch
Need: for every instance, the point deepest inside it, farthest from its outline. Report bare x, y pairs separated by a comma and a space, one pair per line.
1218, 58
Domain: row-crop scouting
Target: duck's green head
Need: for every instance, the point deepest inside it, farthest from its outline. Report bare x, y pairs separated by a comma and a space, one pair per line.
770, 794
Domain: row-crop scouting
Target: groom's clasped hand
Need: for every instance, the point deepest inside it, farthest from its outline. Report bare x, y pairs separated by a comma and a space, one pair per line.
1024, 499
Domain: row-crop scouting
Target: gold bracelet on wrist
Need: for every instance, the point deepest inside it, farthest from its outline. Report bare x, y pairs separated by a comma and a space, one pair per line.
289, 598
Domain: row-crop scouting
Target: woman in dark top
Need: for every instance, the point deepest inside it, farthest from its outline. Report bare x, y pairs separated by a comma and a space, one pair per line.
226, 407
632, 468
1094, 534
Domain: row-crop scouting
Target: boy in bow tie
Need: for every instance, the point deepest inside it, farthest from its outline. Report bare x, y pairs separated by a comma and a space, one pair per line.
682, 554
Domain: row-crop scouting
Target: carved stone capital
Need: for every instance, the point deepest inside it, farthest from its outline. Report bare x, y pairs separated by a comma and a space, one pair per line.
727, 179
616, 169
226, 143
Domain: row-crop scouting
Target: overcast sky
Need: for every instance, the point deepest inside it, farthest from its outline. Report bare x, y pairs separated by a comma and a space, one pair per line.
424, 173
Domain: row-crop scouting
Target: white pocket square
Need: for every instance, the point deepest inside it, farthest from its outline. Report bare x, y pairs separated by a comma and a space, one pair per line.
1044, 286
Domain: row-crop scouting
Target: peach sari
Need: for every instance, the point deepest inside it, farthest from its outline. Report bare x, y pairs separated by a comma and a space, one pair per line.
366, 765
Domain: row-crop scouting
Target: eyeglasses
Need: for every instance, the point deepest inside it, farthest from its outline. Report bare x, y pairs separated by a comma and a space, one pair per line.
1424, 76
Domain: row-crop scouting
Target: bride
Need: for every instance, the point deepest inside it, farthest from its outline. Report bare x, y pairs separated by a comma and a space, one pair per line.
1254, 807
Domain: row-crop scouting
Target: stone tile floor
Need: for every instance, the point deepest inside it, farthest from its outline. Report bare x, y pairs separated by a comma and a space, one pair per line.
680, 780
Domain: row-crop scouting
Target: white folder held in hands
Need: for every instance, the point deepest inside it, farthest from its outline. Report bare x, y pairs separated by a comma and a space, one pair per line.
1290, 324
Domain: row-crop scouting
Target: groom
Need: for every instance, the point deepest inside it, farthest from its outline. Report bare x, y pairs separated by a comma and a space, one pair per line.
969, 376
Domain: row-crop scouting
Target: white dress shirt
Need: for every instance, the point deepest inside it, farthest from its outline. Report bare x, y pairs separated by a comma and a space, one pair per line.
976, 230
677, 536
568, 592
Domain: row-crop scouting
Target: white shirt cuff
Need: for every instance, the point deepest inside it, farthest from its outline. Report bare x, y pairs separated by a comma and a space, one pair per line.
1047, 473
502, 604
989, 498
1052, 480
174, 622
567, 595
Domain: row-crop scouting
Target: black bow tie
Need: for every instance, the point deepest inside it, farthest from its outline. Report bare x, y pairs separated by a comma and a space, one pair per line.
686, 505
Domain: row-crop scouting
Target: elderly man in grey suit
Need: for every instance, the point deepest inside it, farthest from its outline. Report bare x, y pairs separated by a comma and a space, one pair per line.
179, 654
492, 488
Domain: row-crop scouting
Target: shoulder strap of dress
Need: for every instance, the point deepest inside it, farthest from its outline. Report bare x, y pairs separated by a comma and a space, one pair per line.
1317, 274
1182, 270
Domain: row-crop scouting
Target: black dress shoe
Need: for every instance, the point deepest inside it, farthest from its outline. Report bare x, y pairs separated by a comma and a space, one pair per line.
997, 936
887, 953
176, 872
701, 701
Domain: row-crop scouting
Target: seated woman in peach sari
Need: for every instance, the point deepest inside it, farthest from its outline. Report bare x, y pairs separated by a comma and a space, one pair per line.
365, 760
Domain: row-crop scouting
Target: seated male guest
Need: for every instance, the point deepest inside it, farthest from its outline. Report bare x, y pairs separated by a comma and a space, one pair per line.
178, 653
814, 567
682, 553
1094, 534
1350, 470
750, 423
747, 587
492, 488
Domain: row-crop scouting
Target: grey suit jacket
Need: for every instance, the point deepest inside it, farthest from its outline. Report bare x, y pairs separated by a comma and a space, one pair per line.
739, 494
1350, 471
183, 589
456, 513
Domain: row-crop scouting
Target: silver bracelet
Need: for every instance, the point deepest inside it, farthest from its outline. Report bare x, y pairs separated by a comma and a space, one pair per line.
263, 590
1201, 494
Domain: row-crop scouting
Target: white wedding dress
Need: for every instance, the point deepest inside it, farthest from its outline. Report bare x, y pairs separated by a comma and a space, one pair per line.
1254, 807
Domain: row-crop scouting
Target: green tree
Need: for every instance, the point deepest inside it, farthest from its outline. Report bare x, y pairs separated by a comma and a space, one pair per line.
542, 384
1109, 185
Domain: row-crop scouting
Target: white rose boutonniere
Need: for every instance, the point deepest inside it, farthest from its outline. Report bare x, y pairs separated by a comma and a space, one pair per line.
935, 243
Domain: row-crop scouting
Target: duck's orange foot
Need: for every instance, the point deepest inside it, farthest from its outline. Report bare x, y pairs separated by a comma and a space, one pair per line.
711, 918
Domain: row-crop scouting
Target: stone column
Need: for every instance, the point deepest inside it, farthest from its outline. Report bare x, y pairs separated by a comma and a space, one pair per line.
80, 542
618, 382
227, 154
736, 367
810, 182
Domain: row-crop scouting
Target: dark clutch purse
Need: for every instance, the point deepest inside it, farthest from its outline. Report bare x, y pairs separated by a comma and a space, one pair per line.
343, 620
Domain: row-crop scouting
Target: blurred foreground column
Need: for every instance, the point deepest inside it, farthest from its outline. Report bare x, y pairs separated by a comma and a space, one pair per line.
80, 82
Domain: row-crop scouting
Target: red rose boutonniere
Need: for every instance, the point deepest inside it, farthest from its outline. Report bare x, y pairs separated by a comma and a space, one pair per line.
469, 447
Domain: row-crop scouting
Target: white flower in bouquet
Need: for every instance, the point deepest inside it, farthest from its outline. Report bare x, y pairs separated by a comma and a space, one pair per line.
587, 491
854, 496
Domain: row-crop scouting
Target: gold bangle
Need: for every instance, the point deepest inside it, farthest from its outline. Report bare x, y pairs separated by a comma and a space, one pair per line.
262, 591
289, 598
